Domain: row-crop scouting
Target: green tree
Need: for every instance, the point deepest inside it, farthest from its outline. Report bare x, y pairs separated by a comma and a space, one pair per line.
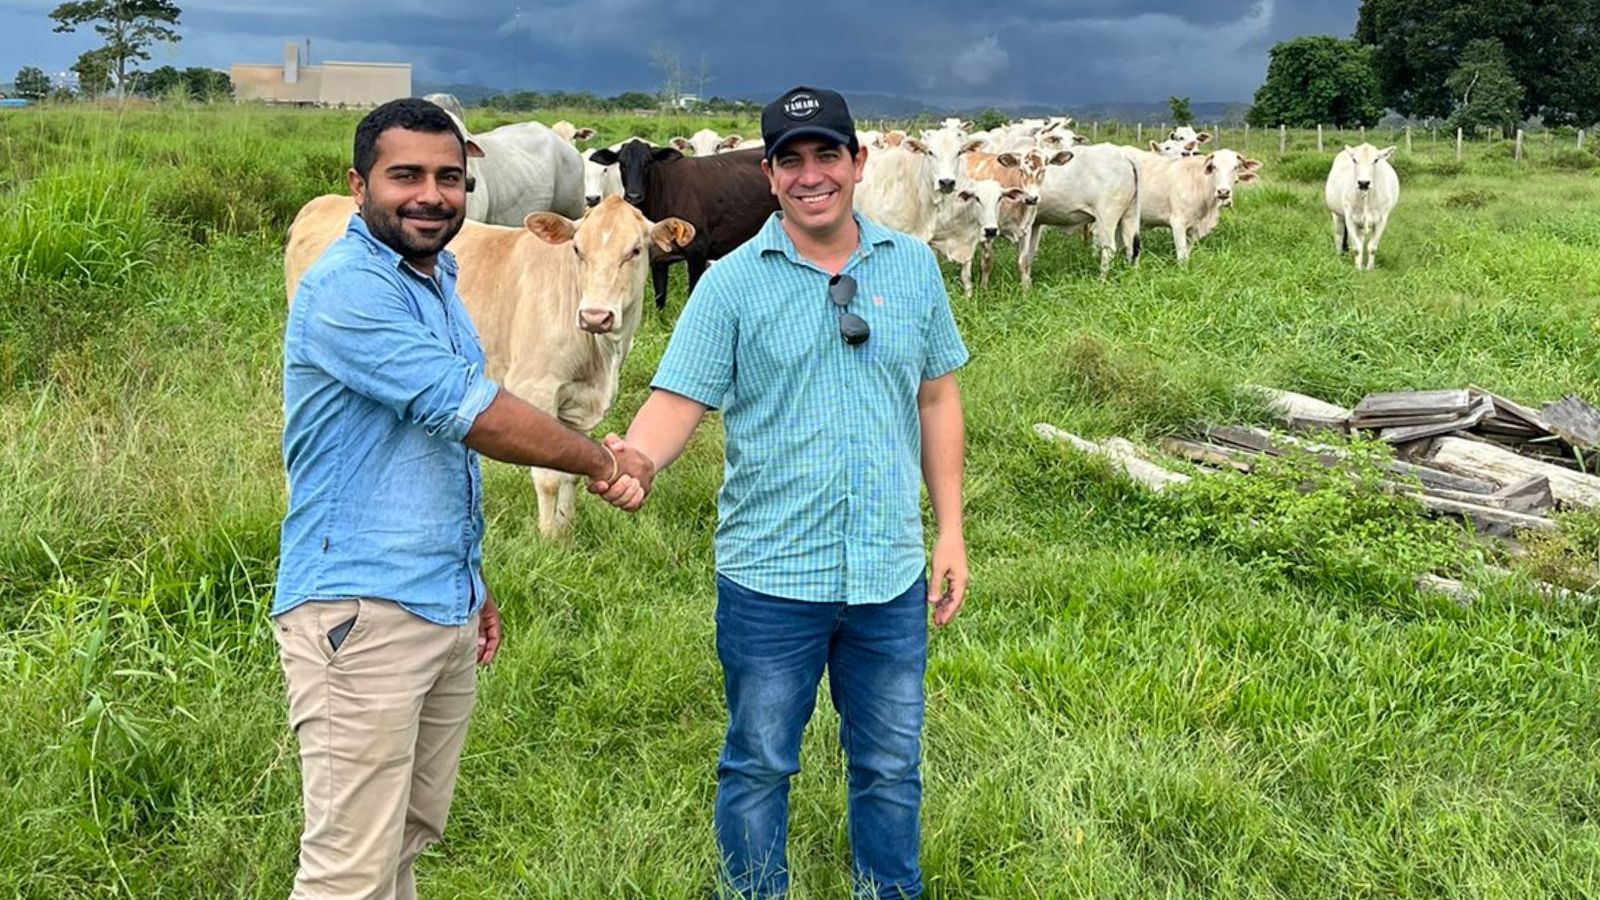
989, 119
32, 83
1484, 90
1550, 49
93, 69
1317, 79
158, 83
629, 100
1181, 113
208, 85
128, 27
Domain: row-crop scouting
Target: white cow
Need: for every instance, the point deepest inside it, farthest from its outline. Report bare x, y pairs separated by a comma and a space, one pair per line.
897, 186
1362, 189
449, 104
571, 133
525, 168
1187, 194
1097, 190
1185, 133
599, 182
705, 142
556, 325
945, 146
1012, 170
968, 218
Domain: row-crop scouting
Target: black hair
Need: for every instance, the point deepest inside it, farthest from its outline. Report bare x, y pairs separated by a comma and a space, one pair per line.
410, 113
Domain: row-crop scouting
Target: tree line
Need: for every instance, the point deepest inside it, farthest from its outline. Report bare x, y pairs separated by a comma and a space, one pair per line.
1469, 63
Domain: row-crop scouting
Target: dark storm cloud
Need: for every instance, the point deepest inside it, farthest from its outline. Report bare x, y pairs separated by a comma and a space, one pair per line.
934, 50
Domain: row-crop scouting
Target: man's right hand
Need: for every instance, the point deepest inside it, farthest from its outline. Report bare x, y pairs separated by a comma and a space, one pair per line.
632, 485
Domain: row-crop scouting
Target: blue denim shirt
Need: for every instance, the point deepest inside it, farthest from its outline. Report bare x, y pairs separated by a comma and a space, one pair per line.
383, 375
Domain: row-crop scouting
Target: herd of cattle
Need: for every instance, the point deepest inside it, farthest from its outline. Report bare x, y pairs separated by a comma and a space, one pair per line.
557, 244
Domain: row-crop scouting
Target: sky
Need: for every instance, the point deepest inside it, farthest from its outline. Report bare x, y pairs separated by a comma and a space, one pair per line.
940, 52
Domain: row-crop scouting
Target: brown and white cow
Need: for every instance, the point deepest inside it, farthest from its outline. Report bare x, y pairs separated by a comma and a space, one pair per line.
1026, 172
556, 303
1187, 194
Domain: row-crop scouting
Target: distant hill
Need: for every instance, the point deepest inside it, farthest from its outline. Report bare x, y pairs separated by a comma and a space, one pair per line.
891, 106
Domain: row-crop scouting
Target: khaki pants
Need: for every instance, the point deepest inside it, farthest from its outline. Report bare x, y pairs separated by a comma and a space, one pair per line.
380, 722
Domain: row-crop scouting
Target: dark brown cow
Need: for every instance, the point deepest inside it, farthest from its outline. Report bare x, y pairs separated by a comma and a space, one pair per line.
725, 197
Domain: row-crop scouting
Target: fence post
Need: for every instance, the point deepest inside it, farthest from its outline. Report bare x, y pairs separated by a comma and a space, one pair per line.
1580, 138
1094, 131
1517, 155
1319, 137
1408, 138
1283, 137
1138, 135
1363, 134
1246, 144
1458, 144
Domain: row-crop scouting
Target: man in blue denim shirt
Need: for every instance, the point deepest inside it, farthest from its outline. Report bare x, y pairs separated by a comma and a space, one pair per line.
381, 609
828, 342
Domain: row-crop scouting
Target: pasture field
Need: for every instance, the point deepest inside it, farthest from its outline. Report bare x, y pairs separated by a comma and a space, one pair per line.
1226, 691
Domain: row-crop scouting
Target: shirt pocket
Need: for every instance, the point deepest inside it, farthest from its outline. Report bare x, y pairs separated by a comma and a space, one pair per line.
897, 326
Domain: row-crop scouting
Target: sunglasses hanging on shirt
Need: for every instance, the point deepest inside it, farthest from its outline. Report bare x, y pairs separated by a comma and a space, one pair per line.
852, 328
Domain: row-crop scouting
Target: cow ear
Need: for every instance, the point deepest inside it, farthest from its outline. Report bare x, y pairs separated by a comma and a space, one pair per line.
669, 233
1203, 137
1386, 152
1246, 175
1016, 194
681, 144
729, 142
667, 154
583, 134
605, 157
473, 150
968, 196
550, 228
1192, 146
1155, 147
1252, 165
914, 145
971, 146
1060, 159
1009, 160
1211, 164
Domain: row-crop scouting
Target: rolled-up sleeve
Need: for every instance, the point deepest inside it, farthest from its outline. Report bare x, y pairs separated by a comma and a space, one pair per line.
698, 363
360, 327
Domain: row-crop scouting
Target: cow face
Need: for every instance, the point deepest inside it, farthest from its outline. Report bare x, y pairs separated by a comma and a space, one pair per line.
1365, 158
599, 181
945, 147
635, 158
610, 249
1032, 166
986, 195
1225, 168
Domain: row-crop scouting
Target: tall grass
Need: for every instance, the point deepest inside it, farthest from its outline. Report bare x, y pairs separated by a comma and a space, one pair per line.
1228, 691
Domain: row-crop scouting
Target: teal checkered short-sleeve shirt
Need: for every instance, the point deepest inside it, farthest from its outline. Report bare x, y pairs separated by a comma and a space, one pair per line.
822, 481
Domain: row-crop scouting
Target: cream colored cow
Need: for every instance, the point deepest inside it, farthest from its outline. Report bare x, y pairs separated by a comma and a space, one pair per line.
556, 324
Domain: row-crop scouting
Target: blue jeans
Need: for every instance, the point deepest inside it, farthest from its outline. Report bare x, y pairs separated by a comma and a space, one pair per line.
773, 652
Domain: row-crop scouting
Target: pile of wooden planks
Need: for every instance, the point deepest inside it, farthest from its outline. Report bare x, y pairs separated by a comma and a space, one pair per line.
1463, 453
1565, 432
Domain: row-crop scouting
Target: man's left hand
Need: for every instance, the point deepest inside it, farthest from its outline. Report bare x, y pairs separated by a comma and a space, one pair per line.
488, 631
947, 584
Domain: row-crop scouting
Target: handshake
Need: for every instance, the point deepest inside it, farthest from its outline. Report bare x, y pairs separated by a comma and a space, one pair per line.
628, 482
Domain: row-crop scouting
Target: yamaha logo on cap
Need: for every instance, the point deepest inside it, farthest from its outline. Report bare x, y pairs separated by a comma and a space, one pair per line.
801, 106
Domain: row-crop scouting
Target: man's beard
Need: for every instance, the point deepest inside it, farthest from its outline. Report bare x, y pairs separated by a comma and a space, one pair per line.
389, 228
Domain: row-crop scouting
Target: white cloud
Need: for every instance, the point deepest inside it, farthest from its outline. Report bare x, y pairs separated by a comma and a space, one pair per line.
981, 61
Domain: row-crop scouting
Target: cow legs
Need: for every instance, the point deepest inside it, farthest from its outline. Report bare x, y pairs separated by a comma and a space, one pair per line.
658, 280
1105, 240
1180, 240
1372, 242
697, 267
966, 276
987, 263
1029, 248
547, 485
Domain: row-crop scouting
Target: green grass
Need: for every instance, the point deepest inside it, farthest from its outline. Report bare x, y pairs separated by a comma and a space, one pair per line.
1230, 690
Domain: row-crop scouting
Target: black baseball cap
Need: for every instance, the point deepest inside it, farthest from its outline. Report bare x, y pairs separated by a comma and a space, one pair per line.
807, 112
